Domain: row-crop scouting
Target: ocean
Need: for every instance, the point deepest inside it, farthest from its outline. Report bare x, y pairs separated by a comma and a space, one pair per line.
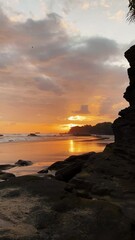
45, 149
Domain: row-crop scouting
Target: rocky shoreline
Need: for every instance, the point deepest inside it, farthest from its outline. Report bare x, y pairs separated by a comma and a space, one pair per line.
85, 197
90, 196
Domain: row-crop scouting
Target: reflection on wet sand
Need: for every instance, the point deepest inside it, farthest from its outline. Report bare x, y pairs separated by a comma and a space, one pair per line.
43, 154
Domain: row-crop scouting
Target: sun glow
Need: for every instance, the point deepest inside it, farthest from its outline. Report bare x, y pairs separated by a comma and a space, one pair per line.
76, 118
66, 127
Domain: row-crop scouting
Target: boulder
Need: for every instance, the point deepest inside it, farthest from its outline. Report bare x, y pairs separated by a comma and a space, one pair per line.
65, 170
68, 172
6, 176
21, 163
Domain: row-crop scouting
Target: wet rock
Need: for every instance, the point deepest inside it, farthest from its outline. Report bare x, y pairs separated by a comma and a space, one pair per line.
43, 170
6, 176
6, 166
66, 173
65, 170
21, 163
70, 160
32, 135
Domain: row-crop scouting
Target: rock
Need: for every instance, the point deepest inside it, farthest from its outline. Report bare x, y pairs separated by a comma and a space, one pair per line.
6, 176
65, 170
41, 219
32, 135
57, 165
21, 163
130, 56
91, 220
46, 209
124, 126
72, 159
43, 170
6, 166
12, 194
68, 172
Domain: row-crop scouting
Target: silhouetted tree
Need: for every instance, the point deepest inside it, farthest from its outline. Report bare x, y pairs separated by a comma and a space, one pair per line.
131, 13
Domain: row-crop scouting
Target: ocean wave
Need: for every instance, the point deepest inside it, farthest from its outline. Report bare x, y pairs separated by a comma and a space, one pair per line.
8, 138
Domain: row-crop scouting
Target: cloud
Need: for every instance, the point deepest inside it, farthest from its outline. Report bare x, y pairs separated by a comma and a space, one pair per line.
105, 3
47, 71
83, 110
118, 16
85, 5
47, 84
68, 5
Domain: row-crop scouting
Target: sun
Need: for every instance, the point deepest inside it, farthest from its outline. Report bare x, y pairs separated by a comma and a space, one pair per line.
76, 118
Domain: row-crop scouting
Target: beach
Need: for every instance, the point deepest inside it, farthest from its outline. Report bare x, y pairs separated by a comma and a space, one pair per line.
44, 150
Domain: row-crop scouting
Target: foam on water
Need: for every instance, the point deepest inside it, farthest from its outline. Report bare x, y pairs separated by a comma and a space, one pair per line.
25, 137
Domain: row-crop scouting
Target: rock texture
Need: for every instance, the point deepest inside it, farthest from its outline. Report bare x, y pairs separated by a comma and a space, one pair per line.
38, 208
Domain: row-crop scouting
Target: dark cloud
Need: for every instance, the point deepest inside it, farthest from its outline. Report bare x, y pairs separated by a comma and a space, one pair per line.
84, 109
46, 84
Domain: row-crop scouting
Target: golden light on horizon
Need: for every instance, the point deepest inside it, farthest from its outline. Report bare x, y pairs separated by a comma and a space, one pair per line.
76, 118
66, 127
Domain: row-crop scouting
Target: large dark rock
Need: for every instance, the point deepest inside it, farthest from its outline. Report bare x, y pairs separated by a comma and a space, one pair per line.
67, 169
130, 56
124, 126
68, 172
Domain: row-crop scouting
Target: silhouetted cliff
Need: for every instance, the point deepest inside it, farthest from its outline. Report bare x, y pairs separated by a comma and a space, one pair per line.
100, 128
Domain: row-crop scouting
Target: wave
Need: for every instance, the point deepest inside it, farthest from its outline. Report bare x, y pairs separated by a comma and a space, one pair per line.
6, 138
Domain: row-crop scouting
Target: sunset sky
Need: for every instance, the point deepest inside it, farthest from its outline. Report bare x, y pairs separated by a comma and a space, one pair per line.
62, 63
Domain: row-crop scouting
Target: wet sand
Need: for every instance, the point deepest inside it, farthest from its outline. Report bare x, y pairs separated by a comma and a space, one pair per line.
43, 154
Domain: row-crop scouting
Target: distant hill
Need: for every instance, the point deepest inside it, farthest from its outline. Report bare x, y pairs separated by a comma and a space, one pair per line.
104, 128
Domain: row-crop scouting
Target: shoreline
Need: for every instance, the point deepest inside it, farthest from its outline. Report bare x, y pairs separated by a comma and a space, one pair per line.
57, 138
45, 153
81, 192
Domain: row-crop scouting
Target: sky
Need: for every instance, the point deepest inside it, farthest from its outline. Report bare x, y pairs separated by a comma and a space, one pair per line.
62, 63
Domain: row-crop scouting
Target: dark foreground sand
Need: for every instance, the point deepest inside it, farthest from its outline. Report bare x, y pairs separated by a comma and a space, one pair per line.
90, 198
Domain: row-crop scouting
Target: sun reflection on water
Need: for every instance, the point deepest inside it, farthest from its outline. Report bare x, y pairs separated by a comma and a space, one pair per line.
75, 146
71, 146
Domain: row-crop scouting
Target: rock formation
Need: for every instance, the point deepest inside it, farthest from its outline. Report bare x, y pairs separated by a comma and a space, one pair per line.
124, 126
